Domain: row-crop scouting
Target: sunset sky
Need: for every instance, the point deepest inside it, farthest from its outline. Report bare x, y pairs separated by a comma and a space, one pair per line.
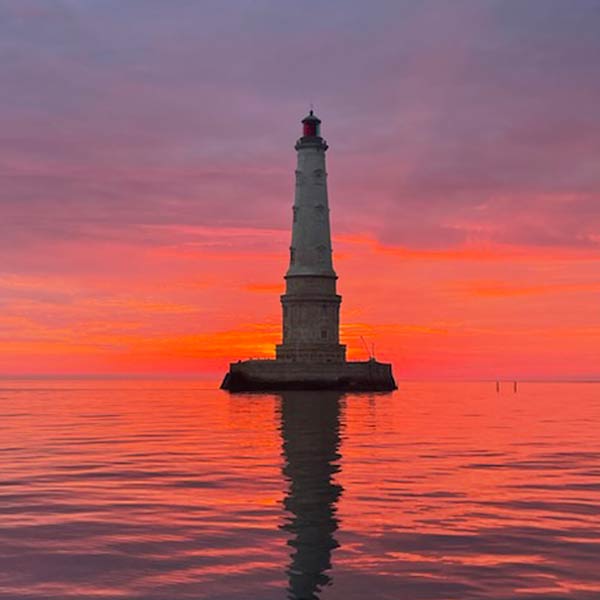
147, 161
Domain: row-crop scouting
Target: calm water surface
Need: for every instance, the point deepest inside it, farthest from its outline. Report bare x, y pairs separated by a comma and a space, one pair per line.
167, 491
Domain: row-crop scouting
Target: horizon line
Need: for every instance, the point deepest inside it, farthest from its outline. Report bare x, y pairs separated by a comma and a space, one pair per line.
215, 377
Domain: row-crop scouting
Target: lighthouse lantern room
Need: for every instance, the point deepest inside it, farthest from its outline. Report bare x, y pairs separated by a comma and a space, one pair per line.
311, 125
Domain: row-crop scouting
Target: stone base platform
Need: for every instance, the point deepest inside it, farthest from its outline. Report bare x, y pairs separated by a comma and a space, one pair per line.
275, 375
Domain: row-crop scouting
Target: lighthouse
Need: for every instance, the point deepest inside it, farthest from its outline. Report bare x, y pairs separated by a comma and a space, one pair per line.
310, 355
311, 306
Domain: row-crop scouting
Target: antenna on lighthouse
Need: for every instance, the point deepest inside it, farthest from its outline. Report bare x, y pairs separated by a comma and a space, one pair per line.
366, 347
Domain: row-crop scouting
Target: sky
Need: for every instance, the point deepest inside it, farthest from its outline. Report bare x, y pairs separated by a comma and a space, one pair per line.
146, 182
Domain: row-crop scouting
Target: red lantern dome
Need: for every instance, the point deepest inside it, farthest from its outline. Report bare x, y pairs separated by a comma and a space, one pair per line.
311, 125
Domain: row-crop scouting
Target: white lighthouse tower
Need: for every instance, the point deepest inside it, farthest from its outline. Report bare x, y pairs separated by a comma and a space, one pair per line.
310, 355
311, 306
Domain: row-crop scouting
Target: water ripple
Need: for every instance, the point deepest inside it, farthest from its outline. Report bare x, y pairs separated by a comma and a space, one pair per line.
159, 491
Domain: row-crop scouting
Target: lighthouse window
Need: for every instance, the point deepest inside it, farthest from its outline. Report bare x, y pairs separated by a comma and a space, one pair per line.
323, 334
310, 128
292, 256
295, 209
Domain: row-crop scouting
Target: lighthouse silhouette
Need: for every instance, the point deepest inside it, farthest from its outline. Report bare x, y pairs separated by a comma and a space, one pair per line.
310, 355
311, 306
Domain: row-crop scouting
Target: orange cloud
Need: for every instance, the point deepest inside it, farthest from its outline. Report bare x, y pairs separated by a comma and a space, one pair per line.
265, 288
500, 289
186, 305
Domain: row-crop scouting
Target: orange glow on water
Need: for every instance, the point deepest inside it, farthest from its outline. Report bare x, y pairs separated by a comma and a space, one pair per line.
180, 485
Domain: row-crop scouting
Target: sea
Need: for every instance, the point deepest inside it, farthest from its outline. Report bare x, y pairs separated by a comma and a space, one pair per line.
175, 490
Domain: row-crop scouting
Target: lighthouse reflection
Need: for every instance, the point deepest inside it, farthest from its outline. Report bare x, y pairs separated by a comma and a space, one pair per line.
310, 431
